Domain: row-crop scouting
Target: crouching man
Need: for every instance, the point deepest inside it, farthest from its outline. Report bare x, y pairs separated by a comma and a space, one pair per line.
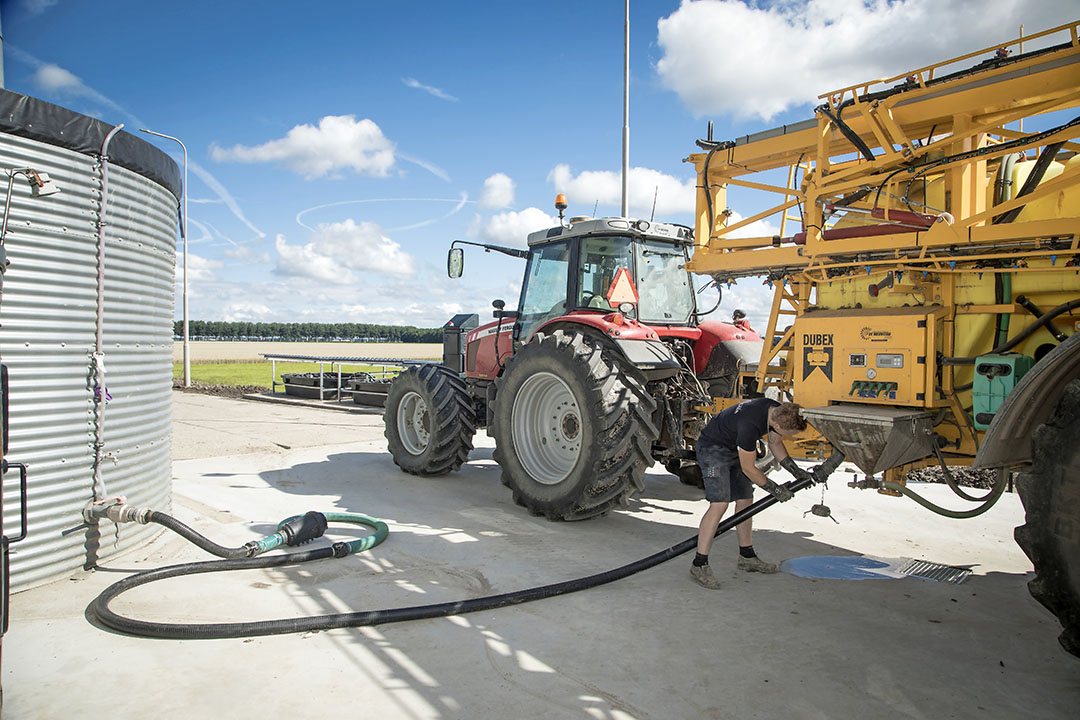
726, 452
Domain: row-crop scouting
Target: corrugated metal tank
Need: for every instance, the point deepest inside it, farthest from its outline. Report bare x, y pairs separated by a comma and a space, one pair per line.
48, 314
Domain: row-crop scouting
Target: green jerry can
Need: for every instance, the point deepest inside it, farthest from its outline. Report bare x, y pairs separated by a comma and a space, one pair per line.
995, 378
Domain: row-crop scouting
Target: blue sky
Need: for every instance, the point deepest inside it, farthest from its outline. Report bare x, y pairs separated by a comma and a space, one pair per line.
336, 148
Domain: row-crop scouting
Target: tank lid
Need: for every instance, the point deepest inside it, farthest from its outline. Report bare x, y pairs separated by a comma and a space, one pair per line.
36, 119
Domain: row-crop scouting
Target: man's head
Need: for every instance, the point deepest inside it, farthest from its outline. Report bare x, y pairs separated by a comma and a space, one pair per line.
787, 419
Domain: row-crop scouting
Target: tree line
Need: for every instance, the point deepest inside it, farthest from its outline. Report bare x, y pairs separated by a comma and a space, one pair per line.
305, 332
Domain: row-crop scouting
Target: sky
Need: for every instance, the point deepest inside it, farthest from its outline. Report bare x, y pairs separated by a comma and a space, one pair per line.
335, 149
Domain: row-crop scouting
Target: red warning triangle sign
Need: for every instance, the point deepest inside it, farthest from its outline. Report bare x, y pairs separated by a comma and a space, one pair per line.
622, 289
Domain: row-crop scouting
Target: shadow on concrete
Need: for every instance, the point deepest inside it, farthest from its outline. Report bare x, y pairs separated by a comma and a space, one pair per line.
768, 646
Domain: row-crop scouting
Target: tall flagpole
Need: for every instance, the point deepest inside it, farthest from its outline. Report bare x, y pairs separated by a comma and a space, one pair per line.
626, 107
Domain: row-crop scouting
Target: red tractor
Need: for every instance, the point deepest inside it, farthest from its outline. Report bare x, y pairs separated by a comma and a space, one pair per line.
606, 366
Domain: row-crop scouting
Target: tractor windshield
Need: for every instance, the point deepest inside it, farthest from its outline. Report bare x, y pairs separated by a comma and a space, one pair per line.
601, 260
616, 269
544, 295
665, 294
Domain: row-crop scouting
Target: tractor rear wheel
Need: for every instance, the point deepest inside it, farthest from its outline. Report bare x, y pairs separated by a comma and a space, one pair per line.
429, 420
1050, 492
572, 427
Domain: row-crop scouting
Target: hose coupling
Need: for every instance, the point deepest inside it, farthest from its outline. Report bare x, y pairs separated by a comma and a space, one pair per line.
341, 549
824, 470
303, 528
117, 510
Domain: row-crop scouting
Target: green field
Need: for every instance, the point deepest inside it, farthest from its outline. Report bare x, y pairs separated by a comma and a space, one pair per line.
258, 373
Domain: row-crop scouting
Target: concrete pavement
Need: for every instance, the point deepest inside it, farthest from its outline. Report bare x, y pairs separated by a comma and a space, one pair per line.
653, 645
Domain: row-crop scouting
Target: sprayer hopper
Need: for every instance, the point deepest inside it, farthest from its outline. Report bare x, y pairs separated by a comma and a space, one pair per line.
875, 438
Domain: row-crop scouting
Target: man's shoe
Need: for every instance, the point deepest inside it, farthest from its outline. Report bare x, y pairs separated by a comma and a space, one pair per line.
704, 577
756, 564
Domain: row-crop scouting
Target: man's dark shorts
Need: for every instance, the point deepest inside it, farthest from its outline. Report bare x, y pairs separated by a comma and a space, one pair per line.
724, 479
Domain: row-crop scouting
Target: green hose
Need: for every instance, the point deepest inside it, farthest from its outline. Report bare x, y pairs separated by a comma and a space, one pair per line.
295, 530
364, 543
359, 545
991, 498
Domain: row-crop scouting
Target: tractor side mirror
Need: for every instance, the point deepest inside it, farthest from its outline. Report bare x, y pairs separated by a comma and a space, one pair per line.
455, 262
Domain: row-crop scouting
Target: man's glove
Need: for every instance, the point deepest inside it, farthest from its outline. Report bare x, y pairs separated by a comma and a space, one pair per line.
796, 472
780, 492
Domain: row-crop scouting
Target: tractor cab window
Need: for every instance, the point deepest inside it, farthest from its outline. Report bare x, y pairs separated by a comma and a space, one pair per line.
544, 295
601, 260
666, 296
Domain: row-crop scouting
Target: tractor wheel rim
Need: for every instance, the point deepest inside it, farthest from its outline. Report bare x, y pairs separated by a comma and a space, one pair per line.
547, 428
414, 423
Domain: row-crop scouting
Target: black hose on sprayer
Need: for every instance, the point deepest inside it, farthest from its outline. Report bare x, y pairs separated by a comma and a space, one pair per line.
184, 631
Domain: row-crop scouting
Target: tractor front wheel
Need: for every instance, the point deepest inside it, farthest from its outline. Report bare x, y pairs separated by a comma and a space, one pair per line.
429, 420
572, 427
1050, 492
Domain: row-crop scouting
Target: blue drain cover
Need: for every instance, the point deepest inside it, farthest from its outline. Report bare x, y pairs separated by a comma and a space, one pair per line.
842, 567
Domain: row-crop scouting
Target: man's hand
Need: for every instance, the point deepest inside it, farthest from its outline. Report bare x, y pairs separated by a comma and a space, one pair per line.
780, 492
796, 472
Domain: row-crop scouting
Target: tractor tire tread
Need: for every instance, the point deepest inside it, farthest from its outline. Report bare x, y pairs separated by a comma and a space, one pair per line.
1050, 492
621, 411
452, 414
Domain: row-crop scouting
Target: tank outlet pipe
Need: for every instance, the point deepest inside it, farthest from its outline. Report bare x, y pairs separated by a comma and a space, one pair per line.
364, 618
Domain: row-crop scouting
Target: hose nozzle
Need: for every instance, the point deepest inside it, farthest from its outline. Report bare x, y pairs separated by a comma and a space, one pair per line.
824, 470
303, 528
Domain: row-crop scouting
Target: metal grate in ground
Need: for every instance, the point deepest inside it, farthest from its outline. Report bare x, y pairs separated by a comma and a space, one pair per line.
934, 571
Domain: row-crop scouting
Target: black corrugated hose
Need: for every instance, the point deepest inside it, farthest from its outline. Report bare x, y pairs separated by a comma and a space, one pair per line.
1021, 337
183, 631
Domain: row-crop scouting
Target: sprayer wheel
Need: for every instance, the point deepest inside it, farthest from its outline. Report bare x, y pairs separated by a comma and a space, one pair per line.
572, 427
429, 420
1050, 537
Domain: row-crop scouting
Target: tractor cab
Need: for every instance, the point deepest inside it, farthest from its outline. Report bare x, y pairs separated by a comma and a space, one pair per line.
601, 266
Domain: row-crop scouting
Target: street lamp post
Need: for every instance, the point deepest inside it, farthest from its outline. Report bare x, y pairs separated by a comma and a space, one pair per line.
183, 233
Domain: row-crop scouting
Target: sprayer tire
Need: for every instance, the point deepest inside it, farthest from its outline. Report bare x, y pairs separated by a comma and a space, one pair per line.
573, 427
1050, 536
429, 420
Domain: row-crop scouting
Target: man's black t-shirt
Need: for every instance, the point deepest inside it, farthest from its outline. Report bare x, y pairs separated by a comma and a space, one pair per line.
739, 426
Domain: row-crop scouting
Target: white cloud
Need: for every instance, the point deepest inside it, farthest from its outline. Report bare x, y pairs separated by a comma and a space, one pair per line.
36, 7
758, 228
512, 227
429, 166
247, 312
590, 187
341, 247
728, 57
339, 142
410, 82
53, 78
498, 192
243, 253
200, 269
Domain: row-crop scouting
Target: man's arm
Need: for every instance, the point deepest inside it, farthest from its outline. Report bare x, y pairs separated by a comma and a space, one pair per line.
779, 451
746, 461
776, 446
747, 458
